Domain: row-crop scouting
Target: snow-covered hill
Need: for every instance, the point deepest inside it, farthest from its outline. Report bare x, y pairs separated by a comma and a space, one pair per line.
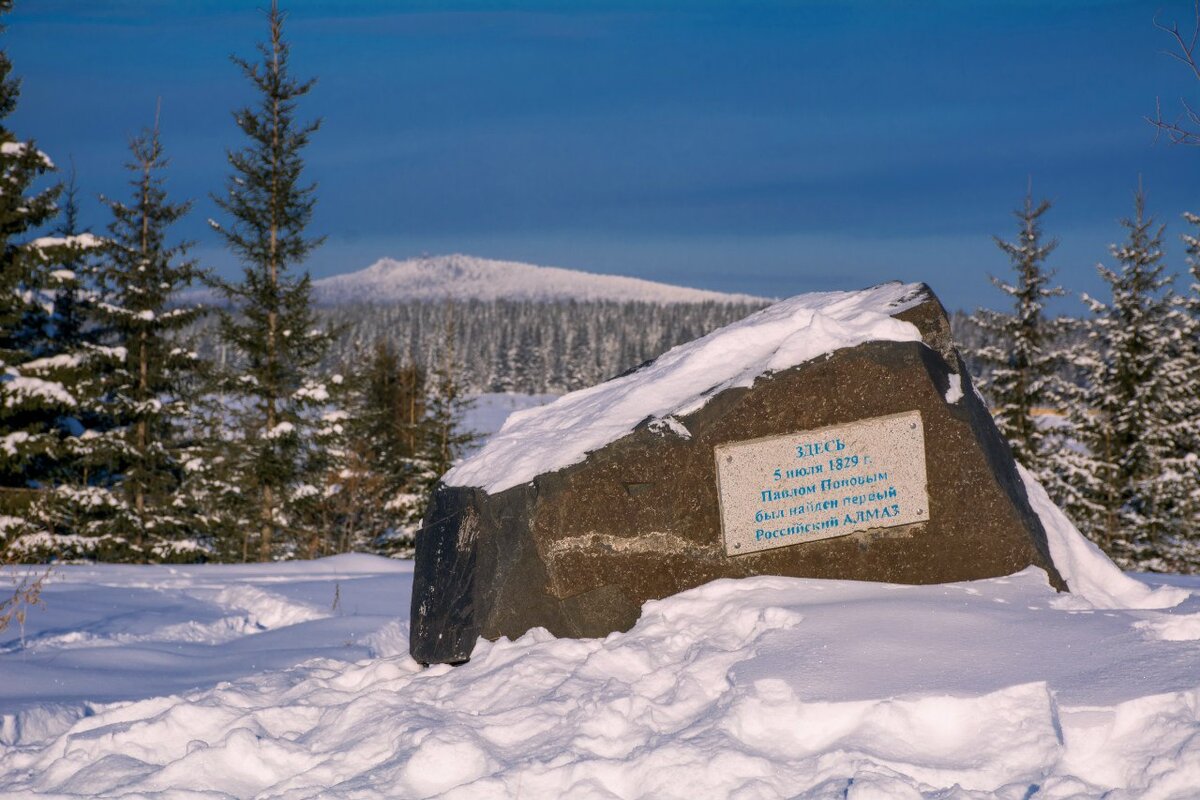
462, 277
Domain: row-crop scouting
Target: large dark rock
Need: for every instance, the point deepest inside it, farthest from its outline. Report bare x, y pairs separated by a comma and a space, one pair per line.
578, 550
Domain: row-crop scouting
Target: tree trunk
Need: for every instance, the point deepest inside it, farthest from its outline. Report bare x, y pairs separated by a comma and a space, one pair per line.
272, 391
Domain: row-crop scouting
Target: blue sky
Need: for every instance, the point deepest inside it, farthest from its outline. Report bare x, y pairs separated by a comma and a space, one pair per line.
750, 146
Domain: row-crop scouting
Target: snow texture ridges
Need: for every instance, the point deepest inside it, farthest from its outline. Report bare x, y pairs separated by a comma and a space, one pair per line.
758, 688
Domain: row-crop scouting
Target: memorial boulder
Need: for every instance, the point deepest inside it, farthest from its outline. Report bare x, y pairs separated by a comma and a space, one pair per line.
831, 435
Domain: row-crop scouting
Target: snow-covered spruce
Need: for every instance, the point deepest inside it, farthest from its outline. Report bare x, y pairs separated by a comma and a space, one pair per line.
50, 398
146, 514
1182, 548
1123, 413
274, 465
1022, 355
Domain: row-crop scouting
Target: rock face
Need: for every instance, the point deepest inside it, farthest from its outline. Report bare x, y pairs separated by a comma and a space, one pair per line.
572, 526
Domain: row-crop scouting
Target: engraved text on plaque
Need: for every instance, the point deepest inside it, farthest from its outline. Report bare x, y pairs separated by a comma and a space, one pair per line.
810, 485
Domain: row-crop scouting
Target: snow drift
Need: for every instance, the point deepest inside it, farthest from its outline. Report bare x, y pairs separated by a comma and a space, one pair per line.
759, 688
1089, 573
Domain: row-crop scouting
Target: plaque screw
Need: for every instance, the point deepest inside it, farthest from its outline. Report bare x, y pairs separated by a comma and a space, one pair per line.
737, 546
912, 426
728, 459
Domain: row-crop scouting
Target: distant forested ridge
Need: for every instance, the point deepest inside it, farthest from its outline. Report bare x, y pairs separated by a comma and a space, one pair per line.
516, 345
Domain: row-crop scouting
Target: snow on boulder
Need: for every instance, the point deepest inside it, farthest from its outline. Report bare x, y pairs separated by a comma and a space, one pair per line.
1089, 573
831, 435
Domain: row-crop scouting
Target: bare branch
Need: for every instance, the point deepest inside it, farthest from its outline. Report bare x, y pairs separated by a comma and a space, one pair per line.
1179, 132
1196, 27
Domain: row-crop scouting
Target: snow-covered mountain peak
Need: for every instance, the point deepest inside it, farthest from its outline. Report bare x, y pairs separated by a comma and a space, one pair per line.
463, 277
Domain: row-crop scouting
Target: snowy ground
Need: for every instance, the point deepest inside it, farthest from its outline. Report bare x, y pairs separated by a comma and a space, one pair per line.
250, 681
293, 681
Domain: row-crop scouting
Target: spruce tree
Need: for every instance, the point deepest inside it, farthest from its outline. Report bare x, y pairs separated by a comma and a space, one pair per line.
391, 408
1122, 411
380, 469
446, 439
72, 299
1021, 357
43, 409
212, 480
1181, 550
26, 402
276, 397
151, 394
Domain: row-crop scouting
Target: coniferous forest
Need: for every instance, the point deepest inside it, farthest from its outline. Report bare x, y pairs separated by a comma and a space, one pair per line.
1103, 407
140, 427
522, 346
122, 441
136, 426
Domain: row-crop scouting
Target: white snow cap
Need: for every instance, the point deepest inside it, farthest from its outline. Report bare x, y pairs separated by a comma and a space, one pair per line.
19, 149
682, 380
81, 241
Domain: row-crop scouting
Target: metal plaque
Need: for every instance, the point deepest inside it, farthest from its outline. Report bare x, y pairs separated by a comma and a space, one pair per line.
800, 487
